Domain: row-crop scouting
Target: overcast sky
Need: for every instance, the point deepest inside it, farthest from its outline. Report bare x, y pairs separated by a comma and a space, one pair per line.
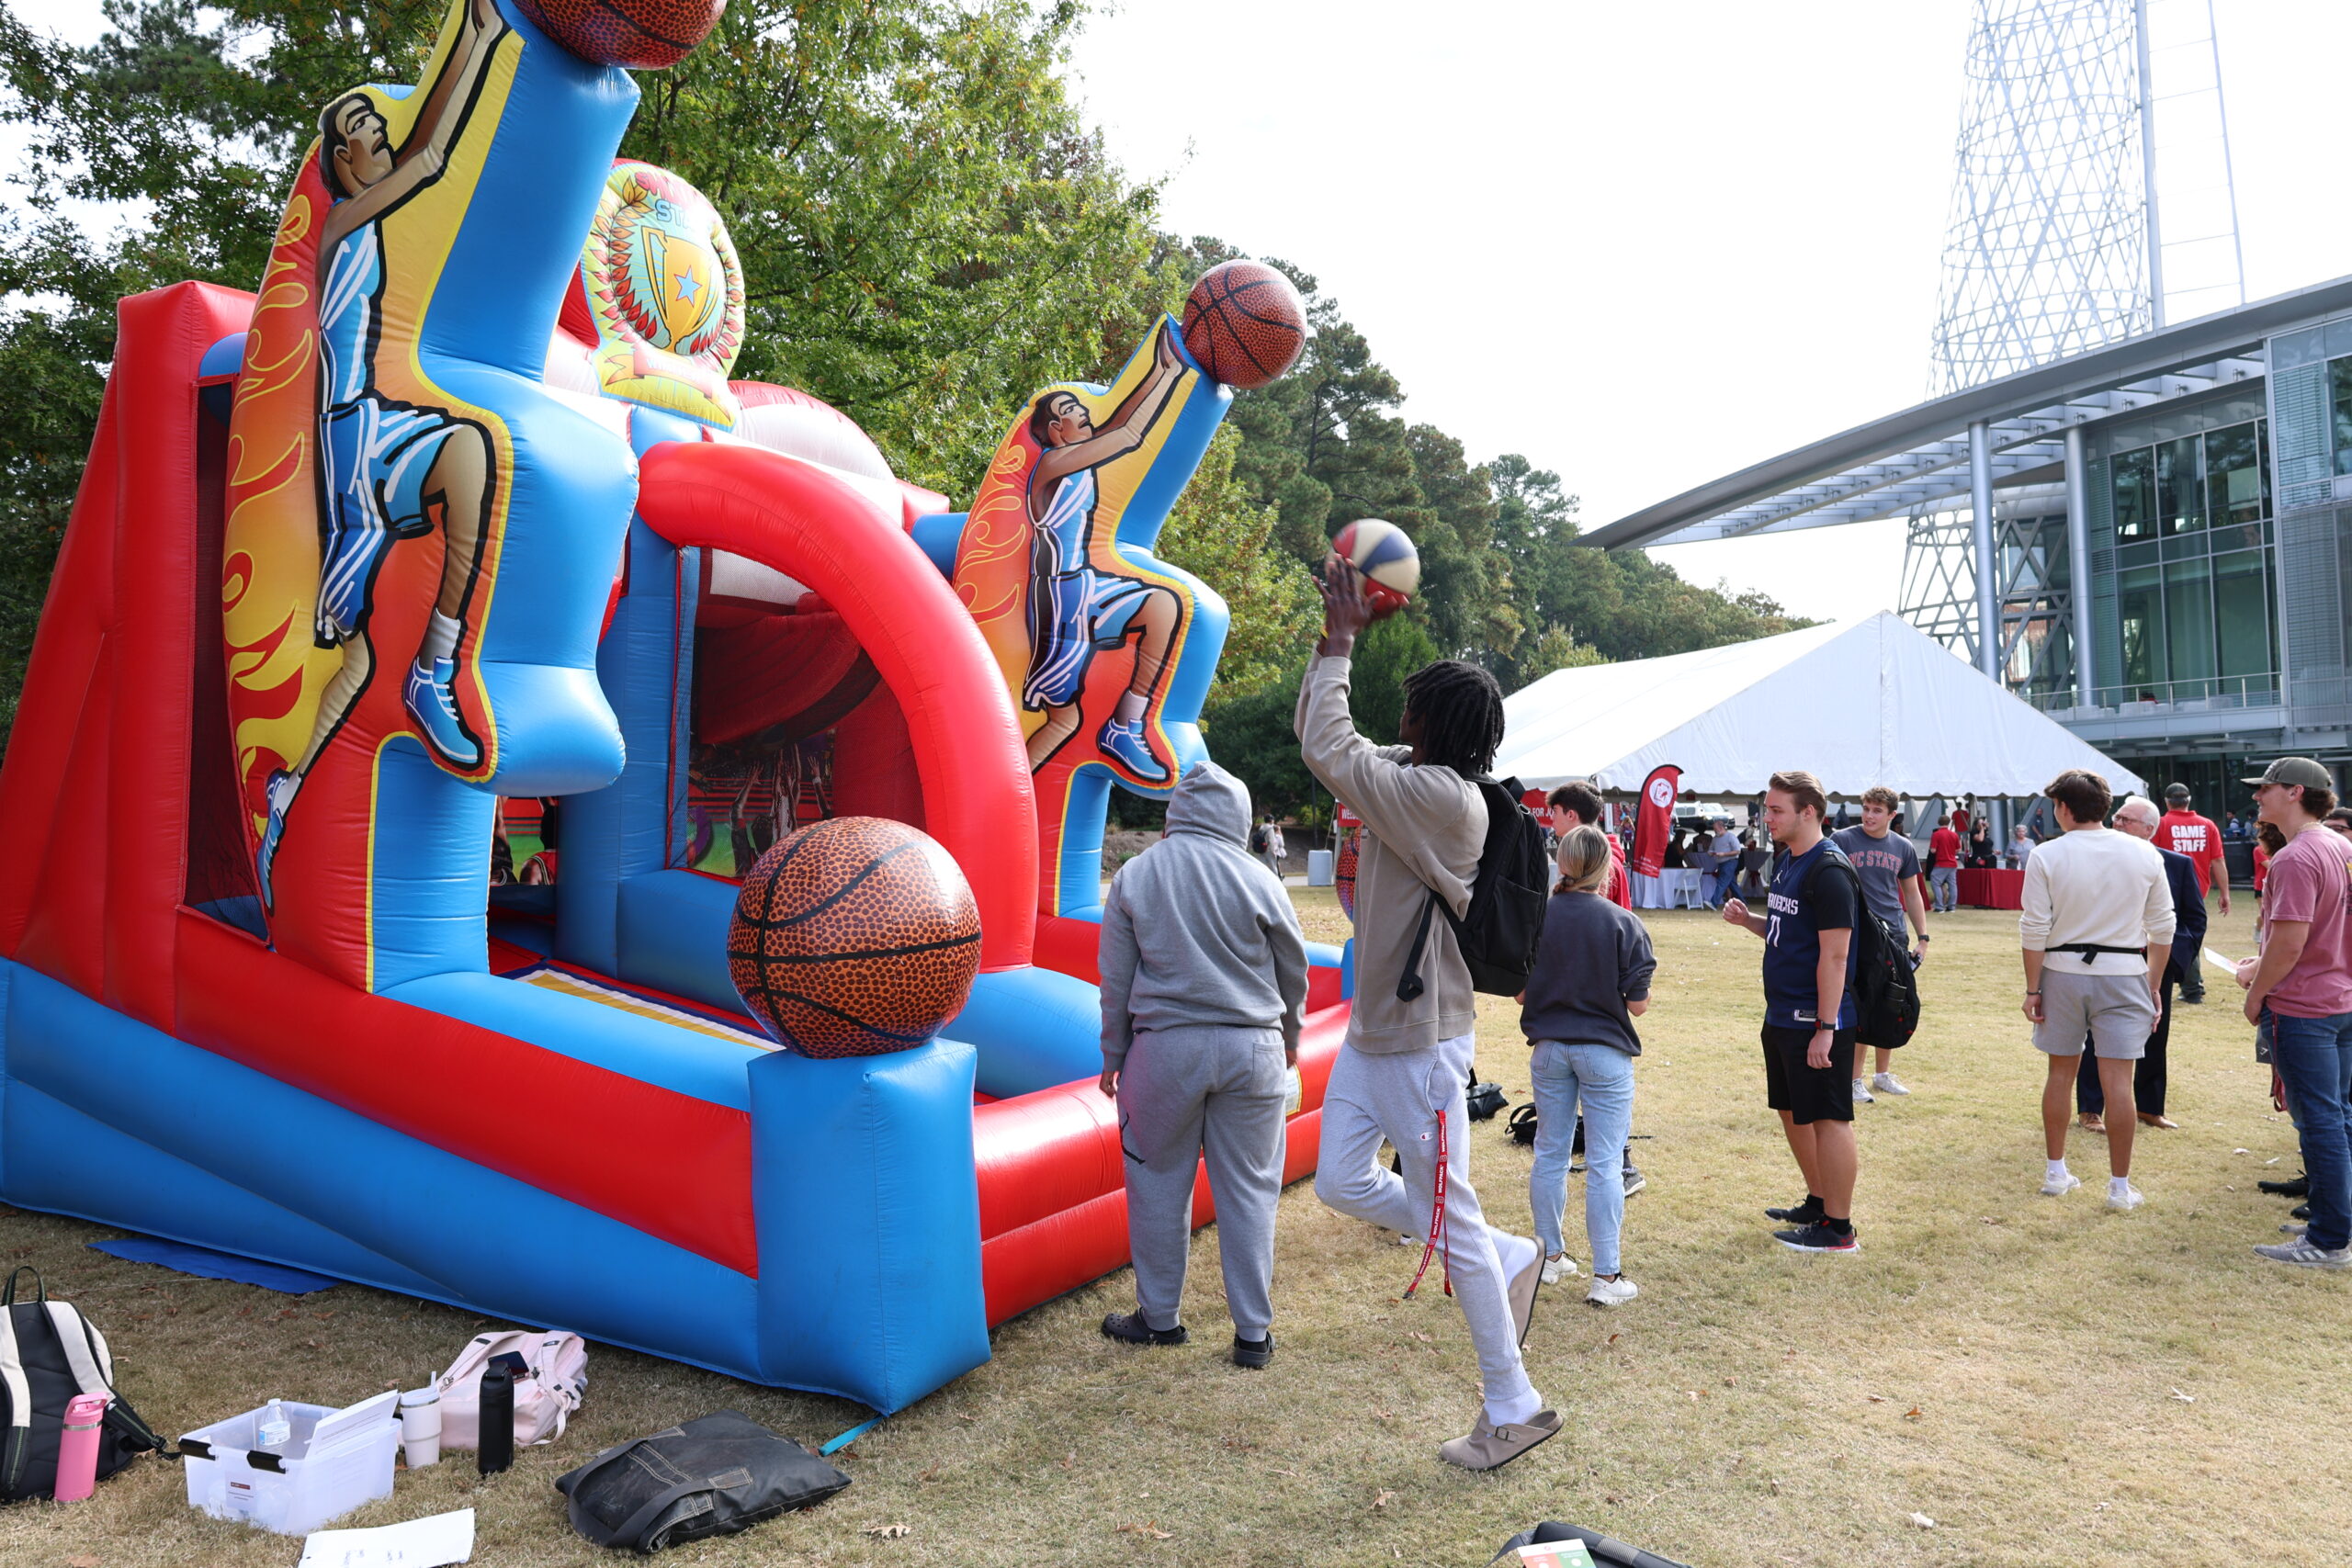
1645, 245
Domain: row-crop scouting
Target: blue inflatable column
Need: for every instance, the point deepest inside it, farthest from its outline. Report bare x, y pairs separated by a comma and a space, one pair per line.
869, 1223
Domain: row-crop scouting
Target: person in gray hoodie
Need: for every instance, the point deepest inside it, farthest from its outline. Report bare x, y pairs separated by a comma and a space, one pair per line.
1204, 990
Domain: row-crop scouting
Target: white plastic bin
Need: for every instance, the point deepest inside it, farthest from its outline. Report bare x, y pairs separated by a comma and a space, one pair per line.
1318, 868
335, 1460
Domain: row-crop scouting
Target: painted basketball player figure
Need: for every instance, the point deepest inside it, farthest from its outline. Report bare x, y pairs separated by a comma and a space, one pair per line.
1076, 609
387, 470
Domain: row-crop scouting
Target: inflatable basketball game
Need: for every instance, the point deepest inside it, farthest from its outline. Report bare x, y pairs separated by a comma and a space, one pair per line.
457, 529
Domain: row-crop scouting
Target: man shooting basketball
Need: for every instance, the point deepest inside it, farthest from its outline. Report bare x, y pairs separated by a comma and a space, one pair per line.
387, 470
1076, 610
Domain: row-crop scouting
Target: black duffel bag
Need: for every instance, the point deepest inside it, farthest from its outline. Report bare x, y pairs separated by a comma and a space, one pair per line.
714, 1475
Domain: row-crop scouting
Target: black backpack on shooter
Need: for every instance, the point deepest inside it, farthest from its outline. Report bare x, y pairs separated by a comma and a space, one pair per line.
1498, 934
49, 1353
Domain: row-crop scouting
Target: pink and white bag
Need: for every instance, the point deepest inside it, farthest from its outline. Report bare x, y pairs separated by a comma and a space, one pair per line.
545, 1396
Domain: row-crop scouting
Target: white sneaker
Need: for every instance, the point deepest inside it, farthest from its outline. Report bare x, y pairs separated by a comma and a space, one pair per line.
1862, 1095
1887, 1083
1559, 1269
1612, 1292
2060, 1185
2123, 1202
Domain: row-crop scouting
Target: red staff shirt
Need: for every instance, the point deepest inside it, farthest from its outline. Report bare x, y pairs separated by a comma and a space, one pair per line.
1943, 848
2186, 834
1619, 891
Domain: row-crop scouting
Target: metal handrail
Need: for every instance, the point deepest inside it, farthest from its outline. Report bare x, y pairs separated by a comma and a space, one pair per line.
2155, 696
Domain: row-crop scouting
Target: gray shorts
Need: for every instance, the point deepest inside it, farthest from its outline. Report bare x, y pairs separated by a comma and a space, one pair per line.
2114, 1011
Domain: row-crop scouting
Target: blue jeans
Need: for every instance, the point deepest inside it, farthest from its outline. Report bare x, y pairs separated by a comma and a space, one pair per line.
1724, 876
1945, 881
1602, 1077
2313, 1056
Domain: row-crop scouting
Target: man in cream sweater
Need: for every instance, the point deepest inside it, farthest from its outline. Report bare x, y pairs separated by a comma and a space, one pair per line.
2098, 929
1401, 1072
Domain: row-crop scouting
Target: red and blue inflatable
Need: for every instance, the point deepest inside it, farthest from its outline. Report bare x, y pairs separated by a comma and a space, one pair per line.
462, 506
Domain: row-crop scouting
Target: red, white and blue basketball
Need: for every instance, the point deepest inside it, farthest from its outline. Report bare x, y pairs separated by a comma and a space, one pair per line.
1391, 566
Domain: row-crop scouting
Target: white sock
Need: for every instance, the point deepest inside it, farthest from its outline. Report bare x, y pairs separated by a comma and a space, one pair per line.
2057, 1169
440, 640
1511, 1411
1129, 708
2117, 1186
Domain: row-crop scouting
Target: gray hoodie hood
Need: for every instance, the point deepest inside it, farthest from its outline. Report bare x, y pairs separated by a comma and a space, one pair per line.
1210, 801
1197, 933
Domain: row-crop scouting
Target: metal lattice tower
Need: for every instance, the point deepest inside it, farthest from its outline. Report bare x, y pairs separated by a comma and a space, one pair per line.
2067, 234
2046, 253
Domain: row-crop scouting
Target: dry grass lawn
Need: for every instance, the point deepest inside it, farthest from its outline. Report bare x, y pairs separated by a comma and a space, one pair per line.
2050, 1384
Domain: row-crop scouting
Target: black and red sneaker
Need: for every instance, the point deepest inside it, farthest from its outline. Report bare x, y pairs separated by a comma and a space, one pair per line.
1819, 1237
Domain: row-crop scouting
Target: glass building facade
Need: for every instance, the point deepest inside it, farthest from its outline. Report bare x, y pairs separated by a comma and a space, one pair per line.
2183, 557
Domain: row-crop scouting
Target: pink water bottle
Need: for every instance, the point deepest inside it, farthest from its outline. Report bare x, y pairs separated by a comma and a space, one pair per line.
77, 1451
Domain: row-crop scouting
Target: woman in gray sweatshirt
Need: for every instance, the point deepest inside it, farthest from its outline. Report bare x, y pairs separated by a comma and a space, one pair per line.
1204, 990
1591, 980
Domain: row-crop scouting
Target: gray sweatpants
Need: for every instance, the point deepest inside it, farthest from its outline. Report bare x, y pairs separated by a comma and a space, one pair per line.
1183, 1094
1398, 1097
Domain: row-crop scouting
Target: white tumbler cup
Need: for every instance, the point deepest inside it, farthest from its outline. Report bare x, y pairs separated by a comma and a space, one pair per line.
420, 1426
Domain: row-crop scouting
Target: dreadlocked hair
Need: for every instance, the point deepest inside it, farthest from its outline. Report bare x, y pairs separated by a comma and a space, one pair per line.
1460, 710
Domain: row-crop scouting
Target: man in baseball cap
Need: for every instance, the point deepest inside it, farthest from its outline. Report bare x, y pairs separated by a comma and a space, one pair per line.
2184, 832
2301, 982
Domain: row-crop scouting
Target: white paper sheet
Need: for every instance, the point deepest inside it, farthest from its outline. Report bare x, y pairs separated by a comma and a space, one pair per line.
420, 1544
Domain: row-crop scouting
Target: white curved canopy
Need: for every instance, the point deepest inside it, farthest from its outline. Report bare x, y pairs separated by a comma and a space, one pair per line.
1868, 703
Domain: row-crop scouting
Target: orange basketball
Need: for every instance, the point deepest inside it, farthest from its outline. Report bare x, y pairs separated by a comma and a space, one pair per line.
1244, 323
644, 35
854, 937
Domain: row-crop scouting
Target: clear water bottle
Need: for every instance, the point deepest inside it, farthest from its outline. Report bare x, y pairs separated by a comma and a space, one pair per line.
275, 1430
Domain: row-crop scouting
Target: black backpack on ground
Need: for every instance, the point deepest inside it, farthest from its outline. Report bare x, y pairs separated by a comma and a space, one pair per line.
714, 1475
1521, 1125
1886, 992
49, 1353
1498, 935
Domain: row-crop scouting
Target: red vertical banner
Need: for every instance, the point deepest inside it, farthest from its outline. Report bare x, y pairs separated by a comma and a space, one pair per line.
1654, 819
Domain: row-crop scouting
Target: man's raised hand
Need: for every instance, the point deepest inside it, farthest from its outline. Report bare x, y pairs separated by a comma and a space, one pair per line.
1347, 608
1735, 911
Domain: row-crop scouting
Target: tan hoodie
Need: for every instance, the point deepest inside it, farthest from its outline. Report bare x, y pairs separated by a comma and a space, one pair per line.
1423, 828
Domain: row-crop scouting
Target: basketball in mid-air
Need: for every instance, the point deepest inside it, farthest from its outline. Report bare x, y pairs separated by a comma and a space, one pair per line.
643, 34
854, 937
1244, 323
1391, 566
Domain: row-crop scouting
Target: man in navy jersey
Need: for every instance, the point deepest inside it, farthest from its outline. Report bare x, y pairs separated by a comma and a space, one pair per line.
1809, 1010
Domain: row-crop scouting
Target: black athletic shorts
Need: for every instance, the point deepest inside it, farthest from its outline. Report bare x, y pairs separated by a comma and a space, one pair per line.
1807, 1093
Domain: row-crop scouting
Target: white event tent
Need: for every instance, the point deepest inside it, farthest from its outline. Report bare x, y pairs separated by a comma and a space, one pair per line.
1862, 704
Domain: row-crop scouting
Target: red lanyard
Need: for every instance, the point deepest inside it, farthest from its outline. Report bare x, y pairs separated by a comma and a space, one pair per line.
1437, 1225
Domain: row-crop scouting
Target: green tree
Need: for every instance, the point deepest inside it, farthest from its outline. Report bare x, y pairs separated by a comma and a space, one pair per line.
1218, 534
930, 231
